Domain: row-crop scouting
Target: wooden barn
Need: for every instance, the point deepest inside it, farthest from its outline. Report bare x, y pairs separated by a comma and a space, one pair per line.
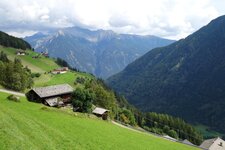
60, 70
101, 112
20, 52
55, 95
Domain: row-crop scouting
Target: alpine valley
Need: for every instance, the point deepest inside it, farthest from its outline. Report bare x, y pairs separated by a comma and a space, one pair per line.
101, 52
185, 79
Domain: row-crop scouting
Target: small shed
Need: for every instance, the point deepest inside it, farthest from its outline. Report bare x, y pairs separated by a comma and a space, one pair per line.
60, 70
213, 144
20, 52
45, 54
187, 142
169, 138
101, 112
51, 95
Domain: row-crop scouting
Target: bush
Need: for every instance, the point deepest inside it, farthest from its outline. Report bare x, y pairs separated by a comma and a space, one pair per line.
173, 134
80, 80
35, 75
127, 117
13, 98
82, 100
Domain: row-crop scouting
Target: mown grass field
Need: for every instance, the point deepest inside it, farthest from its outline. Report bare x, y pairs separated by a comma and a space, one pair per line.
44, 65
40, 65
69, 77
27, 125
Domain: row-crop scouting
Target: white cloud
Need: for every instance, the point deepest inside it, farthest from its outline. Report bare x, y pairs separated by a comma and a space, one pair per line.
166, 18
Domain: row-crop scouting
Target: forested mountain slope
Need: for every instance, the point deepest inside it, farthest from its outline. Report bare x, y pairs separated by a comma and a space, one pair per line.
10, 41
185, 79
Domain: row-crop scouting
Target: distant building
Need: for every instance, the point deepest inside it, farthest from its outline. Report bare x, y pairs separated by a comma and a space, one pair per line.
20, 52
169, 138
60, 70
101, 112
55, 95
45, 54
187, 142
213, 144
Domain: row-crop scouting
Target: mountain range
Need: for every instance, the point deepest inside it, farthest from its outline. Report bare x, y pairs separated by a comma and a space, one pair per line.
185, 79
101, 52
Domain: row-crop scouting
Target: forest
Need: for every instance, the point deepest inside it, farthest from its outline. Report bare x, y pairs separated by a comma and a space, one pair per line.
13, 75
10, 41
97, 93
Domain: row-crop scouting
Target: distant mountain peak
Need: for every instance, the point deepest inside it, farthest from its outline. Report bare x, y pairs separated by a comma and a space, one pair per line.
101, 52
61, 33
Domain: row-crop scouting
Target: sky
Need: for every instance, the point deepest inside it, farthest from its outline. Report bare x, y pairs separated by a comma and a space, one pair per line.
173, 19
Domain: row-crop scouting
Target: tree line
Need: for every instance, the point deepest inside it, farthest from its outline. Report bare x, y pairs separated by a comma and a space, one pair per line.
172, 126
13, 75
62, 63
96, 92
10, 41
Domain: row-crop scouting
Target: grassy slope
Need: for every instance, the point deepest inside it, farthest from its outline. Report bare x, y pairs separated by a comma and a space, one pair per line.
36, 65
27, 125
50, 79
43, 65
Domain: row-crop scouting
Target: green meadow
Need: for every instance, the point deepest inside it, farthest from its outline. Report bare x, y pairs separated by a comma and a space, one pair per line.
27, 125
40, 65
44, 65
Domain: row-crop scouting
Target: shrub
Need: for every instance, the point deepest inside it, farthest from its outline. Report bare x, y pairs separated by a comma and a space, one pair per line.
35, 75
82, 100
13, 98
173, 134
127, 117
80, 80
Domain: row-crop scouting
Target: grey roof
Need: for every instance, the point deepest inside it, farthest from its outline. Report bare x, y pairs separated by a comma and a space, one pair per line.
99, 110
207, 143
187, 142
169, 138
52, 101
53, 90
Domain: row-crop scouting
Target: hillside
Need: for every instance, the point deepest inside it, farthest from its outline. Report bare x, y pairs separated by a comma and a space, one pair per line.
101, 52
43, 65
10, 41
102, 96
185, 79
26, 125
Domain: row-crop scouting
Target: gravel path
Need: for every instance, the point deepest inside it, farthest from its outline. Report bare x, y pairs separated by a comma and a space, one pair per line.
12, 92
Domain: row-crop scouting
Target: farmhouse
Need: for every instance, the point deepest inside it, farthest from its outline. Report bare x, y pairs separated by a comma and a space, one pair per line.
20, 52
101, 112
213, 144
60, 70
51, 95
45, 54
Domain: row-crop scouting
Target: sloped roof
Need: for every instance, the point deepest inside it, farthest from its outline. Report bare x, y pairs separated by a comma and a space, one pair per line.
52, 101
99, 110
187, 142
169, 138
53, 90
213, 144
